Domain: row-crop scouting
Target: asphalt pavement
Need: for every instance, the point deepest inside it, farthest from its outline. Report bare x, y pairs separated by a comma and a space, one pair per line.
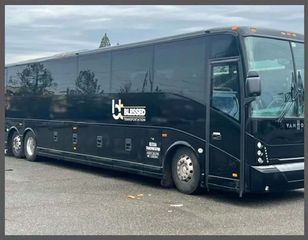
53, 197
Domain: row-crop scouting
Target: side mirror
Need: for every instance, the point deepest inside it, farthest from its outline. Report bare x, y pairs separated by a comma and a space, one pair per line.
253, 85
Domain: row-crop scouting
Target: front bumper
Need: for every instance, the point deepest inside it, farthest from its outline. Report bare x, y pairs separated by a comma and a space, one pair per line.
278, 177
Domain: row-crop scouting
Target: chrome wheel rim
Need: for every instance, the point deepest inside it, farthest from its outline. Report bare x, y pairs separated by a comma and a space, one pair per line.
17, 143
30, 146
185, 169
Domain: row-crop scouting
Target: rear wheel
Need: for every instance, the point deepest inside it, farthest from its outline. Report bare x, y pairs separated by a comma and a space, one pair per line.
8, 149
16, 146
30, 146
186, 171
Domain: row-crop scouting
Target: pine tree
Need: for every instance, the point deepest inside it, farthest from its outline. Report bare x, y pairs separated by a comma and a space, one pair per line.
35, 79
105, 41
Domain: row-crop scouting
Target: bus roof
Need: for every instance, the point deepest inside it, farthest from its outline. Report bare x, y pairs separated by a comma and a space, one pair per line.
265, 32
242, 30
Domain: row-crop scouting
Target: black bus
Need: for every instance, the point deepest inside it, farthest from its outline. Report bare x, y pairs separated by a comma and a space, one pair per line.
221, 108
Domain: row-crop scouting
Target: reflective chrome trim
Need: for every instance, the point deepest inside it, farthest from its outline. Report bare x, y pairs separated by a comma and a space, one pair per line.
290, 167
185, 168
30, 145
291, 159
55, 151
283, 167
16, 143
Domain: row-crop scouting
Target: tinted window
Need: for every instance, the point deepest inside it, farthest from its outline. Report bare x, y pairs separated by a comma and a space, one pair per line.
30, 79
225, 88
63, 73
13, 81
223, 46
298, 50
131, 70
179, 68
94, 74
272, 60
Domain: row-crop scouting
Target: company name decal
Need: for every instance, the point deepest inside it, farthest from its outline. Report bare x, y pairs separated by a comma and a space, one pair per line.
298, 125
128, 113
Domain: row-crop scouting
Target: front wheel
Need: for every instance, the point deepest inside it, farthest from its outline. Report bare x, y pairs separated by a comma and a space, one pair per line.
186, 171
30, 146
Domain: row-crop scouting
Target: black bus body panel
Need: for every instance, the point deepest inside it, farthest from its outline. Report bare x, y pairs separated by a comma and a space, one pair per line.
78, 123
284, 157
120, 144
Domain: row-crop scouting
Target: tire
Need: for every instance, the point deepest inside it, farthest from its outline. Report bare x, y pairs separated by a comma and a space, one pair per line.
16, 145
30, 146
186, 171
8, 148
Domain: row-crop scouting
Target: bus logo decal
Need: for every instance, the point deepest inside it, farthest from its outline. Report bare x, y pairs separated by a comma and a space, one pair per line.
128, 113
298, 125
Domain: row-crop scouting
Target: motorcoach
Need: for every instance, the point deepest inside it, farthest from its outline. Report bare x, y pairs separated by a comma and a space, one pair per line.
221, 108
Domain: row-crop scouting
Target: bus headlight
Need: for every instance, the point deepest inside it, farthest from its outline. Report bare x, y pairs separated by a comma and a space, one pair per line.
259, 153
260, 160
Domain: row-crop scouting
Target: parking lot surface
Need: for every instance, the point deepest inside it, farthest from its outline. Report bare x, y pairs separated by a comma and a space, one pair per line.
60, 198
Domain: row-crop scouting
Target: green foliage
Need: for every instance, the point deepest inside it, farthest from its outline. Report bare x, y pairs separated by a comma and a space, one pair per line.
86, 84
105, 42
35, 79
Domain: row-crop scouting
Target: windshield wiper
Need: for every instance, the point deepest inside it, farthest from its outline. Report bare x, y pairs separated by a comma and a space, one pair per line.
298, 88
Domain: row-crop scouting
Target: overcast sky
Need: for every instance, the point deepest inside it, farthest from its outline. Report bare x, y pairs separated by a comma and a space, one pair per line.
38, 31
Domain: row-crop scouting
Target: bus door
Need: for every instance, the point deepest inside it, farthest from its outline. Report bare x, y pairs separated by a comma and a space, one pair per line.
223, 164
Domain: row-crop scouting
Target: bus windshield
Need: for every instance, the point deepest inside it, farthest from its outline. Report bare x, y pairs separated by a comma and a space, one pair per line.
272, 60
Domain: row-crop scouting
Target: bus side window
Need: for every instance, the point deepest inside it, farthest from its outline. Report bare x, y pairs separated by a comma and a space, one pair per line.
225, 88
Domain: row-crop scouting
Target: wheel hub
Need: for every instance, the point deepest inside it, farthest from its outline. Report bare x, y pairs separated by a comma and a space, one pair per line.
17, 143
30, 145
185, 168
